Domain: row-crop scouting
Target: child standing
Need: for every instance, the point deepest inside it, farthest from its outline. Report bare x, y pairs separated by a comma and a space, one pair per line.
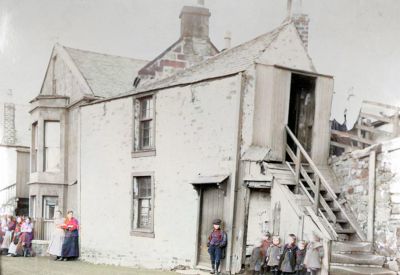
266, 243
273, 255
314, 255
287, 262
300, 255
257, 259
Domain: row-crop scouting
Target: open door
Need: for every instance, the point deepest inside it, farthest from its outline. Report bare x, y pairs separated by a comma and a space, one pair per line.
302, 109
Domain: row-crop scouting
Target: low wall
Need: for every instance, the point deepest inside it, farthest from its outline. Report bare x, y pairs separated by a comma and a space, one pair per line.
39, 248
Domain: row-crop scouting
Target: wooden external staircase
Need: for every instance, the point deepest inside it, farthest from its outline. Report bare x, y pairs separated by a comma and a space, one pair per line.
350, 252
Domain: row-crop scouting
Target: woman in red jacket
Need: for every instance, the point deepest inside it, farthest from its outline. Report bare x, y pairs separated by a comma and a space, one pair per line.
70, 248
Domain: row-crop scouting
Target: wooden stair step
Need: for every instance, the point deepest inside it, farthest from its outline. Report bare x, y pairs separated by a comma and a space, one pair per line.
345, 231
352, 246
357, 259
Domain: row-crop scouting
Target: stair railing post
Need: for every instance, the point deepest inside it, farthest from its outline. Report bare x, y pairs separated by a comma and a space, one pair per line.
316, 195
297, 169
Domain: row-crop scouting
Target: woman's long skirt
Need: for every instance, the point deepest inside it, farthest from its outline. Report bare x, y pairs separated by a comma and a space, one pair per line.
70, 248
6, 240
56, 244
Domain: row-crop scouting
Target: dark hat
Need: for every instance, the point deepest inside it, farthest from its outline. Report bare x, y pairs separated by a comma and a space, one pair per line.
217, 221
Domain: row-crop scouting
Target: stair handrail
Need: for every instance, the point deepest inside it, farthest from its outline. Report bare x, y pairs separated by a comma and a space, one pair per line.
302, 153
311, 163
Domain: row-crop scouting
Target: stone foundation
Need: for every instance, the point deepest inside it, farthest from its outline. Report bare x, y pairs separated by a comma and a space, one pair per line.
39, 248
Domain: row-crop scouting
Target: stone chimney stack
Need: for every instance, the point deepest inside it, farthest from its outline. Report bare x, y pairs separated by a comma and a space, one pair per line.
9, 131
301, 22
195, 21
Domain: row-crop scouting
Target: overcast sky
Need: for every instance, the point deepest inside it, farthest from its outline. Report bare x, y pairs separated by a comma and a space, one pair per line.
356, 41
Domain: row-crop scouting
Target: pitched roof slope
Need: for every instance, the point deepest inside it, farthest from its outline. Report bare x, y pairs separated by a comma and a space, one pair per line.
107, 75
228, 62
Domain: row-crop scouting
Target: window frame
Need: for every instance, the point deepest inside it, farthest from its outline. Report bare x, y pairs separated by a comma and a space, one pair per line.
44, 206
135, 230
137, 144
33, 206
35, 147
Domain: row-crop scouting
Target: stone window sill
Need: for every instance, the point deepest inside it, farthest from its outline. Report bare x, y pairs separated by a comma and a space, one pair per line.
139, 233
143, 153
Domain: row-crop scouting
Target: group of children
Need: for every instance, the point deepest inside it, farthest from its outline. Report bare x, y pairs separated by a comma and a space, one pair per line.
270, 257
16, 234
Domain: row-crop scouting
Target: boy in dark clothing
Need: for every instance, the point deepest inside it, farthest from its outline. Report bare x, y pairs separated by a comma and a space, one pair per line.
216, 244
287, 262
300, 255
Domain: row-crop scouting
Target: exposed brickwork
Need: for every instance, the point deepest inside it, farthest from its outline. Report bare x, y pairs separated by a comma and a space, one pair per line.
192, 47
301, 22
9, 132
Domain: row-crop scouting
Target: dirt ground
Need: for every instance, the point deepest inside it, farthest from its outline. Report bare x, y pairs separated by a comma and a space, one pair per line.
47, 266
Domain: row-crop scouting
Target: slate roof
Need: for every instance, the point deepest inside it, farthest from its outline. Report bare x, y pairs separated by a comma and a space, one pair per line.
228, 62
107, 75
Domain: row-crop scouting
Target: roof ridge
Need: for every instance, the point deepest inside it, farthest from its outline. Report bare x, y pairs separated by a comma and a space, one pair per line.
104, 54
205, 62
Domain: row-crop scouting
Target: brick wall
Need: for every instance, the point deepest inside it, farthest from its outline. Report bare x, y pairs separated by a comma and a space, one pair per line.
9, 132
301, 22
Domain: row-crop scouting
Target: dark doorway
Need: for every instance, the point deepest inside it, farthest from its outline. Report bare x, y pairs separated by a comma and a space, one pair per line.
302, 110
22, 207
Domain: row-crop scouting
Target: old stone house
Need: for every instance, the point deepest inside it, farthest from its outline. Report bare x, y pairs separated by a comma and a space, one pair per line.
243, 135
210, 141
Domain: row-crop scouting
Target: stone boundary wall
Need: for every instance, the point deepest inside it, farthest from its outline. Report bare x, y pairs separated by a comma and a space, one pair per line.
352, 171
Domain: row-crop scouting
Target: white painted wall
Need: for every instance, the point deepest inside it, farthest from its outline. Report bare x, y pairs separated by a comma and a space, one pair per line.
195, 135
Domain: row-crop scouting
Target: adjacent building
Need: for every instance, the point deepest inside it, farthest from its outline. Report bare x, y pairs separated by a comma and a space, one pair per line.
14, 156
73, 77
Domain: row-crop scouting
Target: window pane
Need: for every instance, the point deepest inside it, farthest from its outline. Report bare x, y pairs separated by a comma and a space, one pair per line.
144, 213
146, 133
52, 134
144, 186
52, 138
146, 108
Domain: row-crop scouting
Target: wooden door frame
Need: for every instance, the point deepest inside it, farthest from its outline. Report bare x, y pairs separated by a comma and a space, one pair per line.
199, 190
199, 199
